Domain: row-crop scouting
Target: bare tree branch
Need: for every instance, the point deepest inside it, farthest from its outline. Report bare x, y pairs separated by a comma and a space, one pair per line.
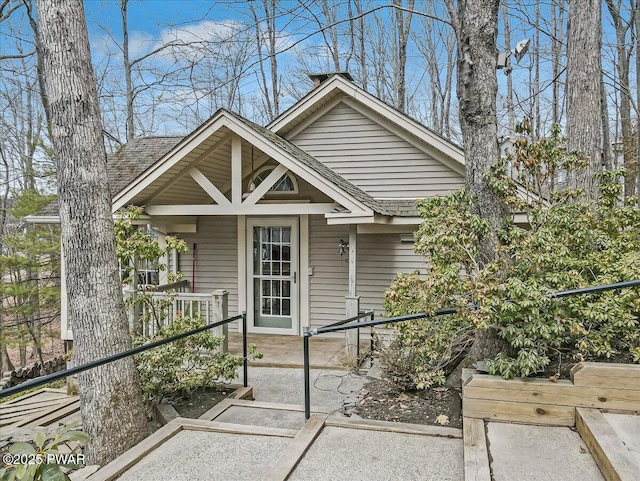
11, 8
17, 55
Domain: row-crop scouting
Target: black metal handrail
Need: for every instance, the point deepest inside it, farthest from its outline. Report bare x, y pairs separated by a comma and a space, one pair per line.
361, 315
136, 350
337, 326
345, 326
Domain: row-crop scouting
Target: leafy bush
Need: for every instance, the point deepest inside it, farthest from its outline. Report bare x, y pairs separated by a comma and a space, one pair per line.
569, 242
178, 368
39, 459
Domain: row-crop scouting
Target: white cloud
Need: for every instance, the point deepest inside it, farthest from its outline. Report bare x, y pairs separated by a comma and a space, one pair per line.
192, 41
140, 42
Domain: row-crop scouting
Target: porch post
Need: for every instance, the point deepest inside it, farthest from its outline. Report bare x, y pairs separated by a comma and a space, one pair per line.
352, 300
353, 244
220, 313
351, 336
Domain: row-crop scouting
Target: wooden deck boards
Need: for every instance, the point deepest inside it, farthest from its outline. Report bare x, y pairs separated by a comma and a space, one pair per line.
286, 351
40, 408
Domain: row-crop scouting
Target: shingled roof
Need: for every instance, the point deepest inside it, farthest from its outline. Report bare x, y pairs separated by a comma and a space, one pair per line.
400, 208
134, 158
316, 165
125, 165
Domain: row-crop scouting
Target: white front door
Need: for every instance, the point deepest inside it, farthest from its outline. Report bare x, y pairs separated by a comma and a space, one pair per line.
272, 287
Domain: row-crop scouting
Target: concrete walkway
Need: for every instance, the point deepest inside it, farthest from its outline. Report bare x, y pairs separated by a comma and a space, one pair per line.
331, 390
326, 448
267, 438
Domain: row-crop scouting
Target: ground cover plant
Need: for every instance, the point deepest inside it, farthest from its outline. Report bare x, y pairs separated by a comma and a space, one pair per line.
568, 242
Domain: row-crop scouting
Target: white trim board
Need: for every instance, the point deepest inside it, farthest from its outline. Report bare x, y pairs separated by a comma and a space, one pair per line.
241, 209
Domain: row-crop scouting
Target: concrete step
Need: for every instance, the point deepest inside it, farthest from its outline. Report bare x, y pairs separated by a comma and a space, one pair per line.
231, 447
521, 452
256, 413
345, 454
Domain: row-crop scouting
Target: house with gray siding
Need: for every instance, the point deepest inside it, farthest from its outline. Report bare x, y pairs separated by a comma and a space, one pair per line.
303, 221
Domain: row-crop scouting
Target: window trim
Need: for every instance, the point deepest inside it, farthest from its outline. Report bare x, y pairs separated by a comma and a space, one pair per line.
272, 192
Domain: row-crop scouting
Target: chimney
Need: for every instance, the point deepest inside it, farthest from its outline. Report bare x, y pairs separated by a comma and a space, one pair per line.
318, 78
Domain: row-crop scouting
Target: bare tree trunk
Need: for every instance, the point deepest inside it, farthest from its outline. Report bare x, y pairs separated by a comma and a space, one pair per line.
556, 25
113, 413
637, 26
584, 125
352, 37
330, 15
39, 65
437, 39
607, 156
623, 66
448, 86
270, 12
507, 40
22, 348
403, 27
127, 70
262, 80
476, 26
536, 77
362, 51
5, 361
477, 88
270, 89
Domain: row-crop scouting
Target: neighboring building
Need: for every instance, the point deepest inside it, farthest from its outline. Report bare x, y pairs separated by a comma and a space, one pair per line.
296, 219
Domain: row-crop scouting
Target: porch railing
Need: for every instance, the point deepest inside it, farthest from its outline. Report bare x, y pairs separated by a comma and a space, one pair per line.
151, 310
161, 308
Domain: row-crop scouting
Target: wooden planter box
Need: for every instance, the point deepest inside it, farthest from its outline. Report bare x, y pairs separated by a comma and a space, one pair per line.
611, 387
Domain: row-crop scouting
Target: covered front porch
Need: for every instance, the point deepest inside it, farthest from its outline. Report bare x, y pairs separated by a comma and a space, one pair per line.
159, 308
286, 351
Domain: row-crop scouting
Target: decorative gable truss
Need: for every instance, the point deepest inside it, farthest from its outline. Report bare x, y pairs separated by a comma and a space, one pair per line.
186, 164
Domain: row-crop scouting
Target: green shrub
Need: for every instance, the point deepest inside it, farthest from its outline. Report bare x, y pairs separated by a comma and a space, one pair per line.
178, 368
569, 243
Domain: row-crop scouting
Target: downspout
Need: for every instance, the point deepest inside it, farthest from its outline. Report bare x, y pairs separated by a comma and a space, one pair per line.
193, 269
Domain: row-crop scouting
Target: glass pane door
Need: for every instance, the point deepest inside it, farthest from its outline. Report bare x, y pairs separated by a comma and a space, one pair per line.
274, 277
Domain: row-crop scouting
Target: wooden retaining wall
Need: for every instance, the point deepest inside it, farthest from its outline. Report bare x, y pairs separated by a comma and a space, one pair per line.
612, 387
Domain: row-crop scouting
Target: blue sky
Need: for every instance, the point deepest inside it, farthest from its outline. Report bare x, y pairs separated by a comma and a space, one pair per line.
152, 21
148, 15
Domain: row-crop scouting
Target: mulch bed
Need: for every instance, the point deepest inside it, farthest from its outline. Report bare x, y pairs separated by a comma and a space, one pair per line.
200, 401
385, 401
